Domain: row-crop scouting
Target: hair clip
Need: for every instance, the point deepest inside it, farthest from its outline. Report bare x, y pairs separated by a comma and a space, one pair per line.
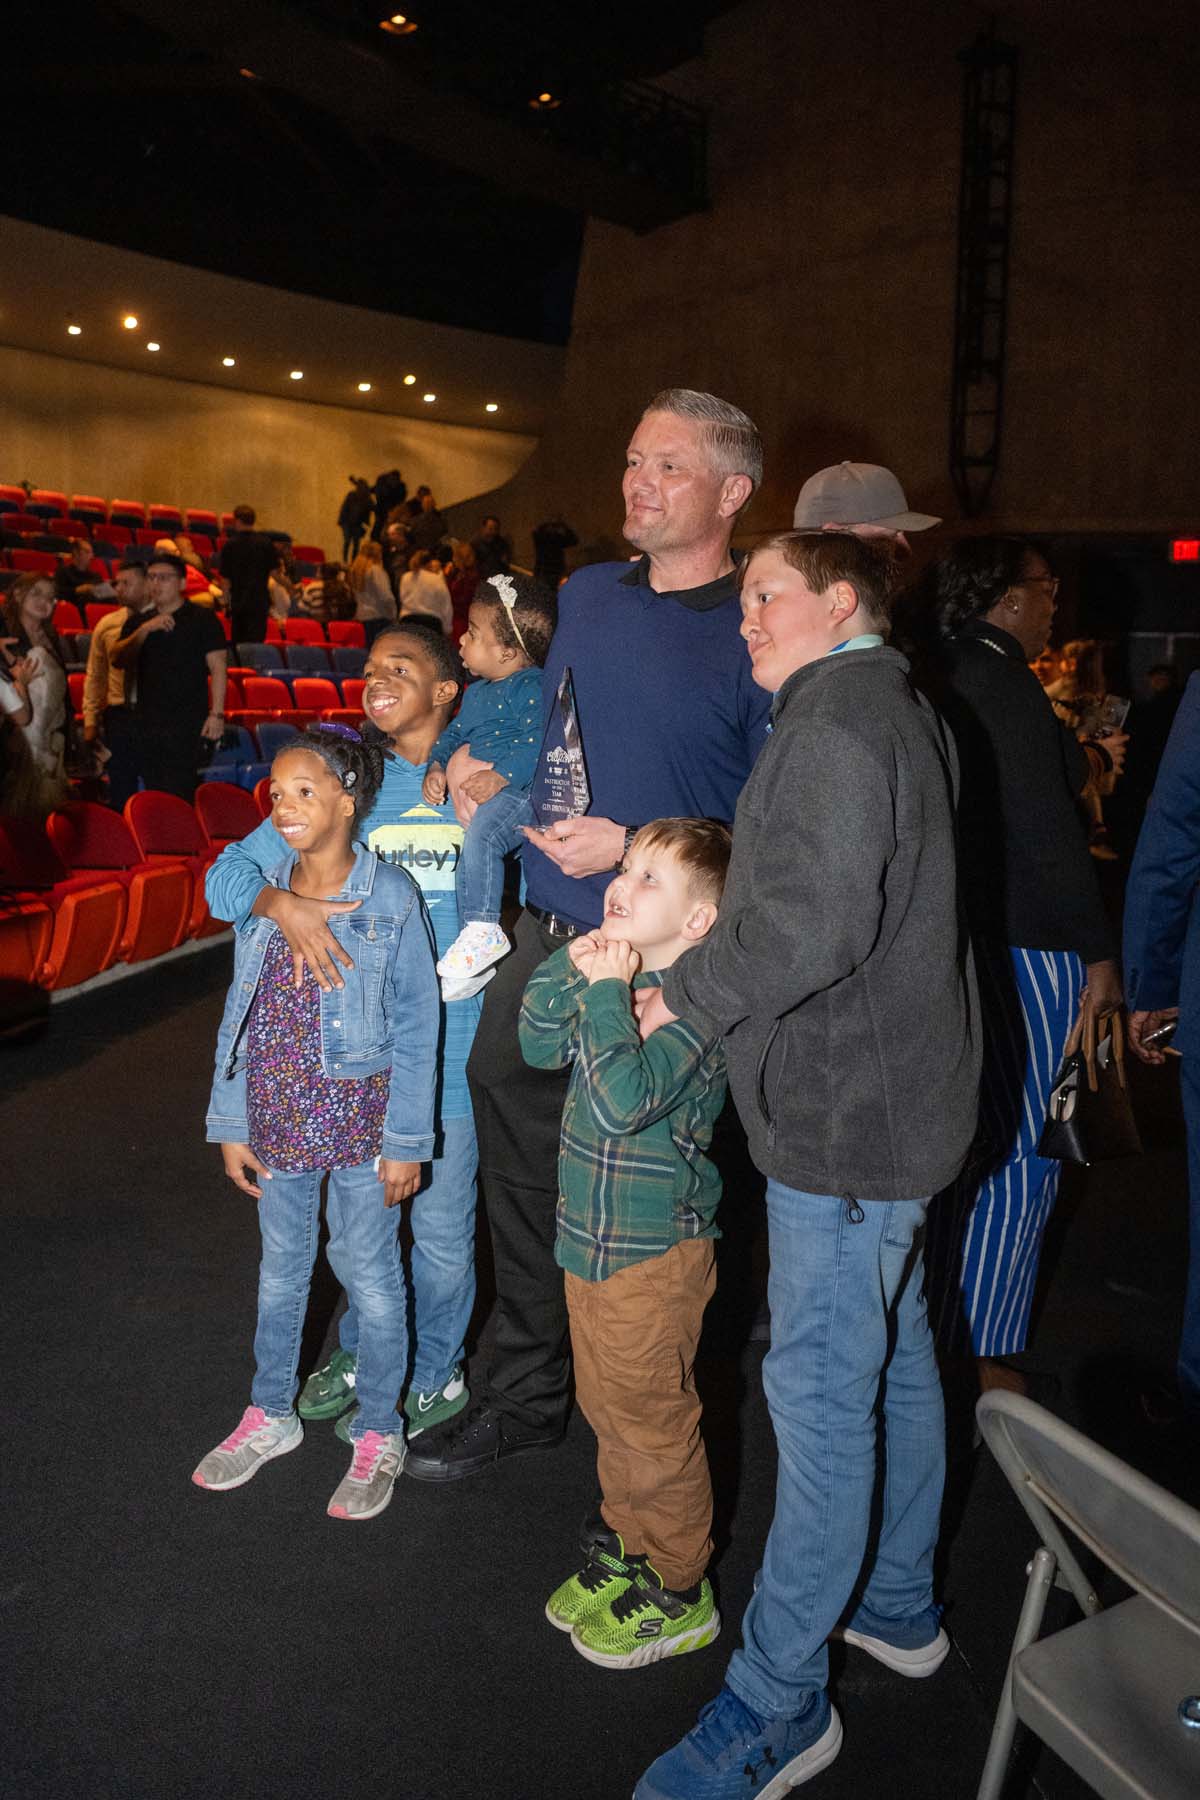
349, 778
340, 730
506, 589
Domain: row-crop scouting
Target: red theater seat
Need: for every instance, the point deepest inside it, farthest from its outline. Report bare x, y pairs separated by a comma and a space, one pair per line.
24, 524
312, 553
226, 812
274, 634
67, 617
88, 507
12, 497
117, 535
68, 528
95, 610
147, 535
88, 911
166, 519
159, 895
34, 562
166, 829
342, 715
201, 544
47, 502
266, 693
127, 512
75, 681
303, 631
312, 691
352, 692
197, 518
347, 631
262, 796
26, 929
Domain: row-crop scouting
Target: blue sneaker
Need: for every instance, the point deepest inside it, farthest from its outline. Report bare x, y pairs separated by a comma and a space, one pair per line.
913, 1647
732, 1754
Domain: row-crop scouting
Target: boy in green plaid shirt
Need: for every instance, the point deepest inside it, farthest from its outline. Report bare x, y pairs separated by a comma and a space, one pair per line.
636, 1222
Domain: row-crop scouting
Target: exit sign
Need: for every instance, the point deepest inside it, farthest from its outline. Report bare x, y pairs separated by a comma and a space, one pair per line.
1185, 550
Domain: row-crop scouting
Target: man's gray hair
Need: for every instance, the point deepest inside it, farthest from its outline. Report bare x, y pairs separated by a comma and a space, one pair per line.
730, 434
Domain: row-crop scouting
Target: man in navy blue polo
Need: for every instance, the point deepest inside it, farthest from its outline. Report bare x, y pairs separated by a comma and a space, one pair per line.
671, 723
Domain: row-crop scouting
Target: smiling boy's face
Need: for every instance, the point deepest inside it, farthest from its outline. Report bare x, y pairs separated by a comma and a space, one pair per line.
404, 689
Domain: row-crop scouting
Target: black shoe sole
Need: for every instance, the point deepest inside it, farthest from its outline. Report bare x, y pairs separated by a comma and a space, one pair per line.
460, 1468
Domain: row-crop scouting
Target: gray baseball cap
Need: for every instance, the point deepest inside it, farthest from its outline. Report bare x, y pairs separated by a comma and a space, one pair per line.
854, 493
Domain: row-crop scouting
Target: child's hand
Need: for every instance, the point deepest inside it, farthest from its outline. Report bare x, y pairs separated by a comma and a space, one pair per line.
238, 1158
401, 1180
581, 950
484, 786
433, 788
614, 960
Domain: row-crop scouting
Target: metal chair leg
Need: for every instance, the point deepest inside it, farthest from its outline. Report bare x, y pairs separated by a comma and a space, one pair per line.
1033, 1607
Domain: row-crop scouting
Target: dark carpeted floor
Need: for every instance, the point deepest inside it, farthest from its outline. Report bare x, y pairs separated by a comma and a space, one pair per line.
160, 1641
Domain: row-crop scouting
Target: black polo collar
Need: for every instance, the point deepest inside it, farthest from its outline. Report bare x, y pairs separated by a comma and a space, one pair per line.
698, 599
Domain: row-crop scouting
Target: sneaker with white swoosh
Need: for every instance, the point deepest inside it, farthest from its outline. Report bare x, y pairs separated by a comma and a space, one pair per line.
422, 1410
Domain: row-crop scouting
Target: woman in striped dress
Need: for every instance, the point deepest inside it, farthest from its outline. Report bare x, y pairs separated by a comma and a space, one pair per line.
1043, 943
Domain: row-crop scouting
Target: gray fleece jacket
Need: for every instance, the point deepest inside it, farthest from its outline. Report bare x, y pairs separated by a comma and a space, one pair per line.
839, 970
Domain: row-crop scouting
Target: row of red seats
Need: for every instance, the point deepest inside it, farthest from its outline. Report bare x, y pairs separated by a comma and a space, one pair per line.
71, 618
248, 692
92, 509
94, 888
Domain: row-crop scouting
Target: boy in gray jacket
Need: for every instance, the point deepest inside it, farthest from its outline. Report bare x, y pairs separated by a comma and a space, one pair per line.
840, 976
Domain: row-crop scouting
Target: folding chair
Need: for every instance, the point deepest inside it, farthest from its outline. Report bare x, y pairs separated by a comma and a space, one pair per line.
1116, 1696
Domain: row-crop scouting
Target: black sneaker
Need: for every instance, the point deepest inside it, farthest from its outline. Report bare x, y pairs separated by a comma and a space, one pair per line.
471, 1442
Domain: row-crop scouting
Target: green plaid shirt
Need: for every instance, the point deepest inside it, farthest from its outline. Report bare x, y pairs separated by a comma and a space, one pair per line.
632, 1174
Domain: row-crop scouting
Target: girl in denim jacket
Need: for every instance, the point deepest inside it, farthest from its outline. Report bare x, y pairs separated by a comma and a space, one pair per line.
310, 1083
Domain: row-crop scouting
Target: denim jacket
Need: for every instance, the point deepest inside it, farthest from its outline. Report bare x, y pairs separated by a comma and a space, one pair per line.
388, 1013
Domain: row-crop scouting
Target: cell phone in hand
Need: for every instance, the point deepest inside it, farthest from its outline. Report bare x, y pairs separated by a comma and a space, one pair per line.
1109, 716
1159, 1039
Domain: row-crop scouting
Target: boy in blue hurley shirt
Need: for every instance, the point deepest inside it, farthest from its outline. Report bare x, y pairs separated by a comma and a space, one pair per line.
412, 683
636, 1223
509, 631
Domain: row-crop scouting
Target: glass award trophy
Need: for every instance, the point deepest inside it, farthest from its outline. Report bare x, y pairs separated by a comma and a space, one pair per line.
561, 789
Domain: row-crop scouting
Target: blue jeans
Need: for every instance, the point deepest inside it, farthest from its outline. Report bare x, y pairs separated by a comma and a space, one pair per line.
848, 1326
1189, 1343
364, 1253
443, 1262
493, 834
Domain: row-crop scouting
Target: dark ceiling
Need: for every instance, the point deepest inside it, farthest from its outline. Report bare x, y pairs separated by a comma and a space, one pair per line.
408, 174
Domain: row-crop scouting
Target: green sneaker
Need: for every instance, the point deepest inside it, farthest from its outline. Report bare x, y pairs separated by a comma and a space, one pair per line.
423, 1410
647, 1622
606, 1574
329, 1390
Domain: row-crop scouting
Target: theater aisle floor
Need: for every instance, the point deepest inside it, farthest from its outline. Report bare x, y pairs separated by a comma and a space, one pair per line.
163, 1642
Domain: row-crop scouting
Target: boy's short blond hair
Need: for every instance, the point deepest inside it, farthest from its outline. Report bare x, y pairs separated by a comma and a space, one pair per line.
701, 846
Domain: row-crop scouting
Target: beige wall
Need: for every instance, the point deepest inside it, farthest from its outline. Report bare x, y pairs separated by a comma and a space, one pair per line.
818, 291
89, 429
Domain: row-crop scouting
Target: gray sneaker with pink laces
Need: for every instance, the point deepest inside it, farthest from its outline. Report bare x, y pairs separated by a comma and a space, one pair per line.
238, 1458
366, 1487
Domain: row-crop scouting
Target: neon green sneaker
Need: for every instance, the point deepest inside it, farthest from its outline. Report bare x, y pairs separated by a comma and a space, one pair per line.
329, 1390
647, 1622
606, 1574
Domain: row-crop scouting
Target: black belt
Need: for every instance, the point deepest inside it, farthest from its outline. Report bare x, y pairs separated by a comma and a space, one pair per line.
555, 924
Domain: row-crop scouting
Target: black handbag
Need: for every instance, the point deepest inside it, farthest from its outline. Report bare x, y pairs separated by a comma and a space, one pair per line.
1090, 1116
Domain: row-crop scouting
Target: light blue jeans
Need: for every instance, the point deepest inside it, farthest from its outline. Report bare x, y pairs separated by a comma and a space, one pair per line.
364, 1254
443, 1261
849, 1335
494, 833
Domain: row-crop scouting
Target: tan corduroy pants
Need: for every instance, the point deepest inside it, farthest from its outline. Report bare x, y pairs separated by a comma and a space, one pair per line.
633, 1339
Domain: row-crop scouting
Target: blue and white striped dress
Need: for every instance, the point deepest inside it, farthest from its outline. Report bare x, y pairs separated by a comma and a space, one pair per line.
985, 1233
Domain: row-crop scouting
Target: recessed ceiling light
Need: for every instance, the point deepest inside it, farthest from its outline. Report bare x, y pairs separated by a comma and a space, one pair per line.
153, 346
248, 74
364, 387
491, 407
130, 322
410, 381
429, 399
74, 330
398, 24
544, 103
297, 375
227, 362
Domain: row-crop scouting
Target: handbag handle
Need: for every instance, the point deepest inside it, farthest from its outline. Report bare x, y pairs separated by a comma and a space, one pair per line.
1084, 1035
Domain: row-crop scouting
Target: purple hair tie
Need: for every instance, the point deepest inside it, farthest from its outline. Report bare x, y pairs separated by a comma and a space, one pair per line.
335, 725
